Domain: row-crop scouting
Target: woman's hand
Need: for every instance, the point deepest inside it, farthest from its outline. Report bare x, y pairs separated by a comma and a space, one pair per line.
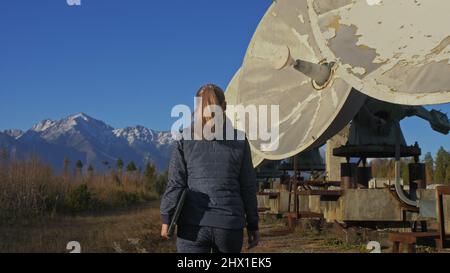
165, 231
253, 239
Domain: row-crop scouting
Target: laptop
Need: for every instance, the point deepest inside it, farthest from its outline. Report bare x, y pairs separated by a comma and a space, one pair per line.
177, 213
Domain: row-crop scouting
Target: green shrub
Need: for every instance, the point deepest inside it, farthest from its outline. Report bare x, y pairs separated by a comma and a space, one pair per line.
161, 182
79, 199
125, 199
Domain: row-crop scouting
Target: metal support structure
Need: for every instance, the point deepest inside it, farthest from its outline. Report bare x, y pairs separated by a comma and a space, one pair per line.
417, 179
398, 187
363, 176
346, 176
441, 191
296, 179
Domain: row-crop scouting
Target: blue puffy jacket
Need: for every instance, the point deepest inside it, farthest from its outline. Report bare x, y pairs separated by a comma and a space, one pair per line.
221, 183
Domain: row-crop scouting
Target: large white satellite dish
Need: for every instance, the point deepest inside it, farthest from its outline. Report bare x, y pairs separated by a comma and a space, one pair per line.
310, 111
396, 51
231, 96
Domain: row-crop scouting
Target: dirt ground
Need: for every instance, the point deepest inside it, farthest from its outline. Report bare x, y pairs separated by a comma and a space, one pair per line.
137, 231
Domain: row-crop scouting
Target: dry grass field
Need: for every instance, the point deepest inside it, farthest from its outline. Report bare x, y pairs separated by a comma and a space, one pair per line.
31, 190
130, 230
137, 231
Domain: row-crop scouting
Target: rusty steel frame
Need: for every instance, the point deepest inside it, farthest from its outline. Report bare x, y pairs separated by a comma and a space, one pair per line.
441, 191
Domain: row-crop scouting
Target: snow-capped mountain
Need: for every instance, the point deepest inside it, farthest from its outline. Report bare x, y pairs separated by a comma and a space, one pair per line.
14, 133
142, 134
81, 137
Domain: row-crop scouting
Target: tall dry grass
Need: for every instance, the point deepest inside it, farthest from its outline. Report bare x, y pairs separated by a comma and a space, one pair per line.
132, 230
30, 190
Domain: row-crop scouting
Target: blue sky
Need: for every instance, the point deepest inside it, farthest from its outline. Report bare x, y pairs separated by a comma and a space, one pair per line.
127, 62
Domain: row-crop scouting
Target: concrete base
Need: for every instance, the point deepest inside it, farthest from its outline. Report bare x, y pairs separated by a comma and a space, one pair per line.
358, 205
276, 206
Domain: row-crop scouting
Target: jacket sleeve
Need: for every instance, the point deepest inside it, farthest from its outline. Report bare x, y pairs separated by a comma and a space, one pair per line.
177, 182
248, 189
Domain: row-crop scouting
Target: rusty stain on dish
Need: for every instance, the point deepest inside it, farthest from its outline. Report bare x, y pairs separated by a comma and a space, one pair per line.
441, 46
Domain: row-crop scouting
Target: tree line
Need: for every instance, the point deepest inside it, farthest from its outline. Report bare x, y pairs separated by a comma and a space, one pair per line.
122, 174
30, 189
437, 168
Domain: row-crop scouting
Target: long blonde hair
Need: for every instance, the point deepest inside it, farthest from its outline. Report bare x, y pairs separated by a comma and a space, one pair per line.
211, 95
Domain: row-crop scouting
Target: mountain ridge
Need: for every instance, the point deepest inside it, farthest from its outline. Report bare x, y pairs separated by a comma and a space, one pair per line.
94, 142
